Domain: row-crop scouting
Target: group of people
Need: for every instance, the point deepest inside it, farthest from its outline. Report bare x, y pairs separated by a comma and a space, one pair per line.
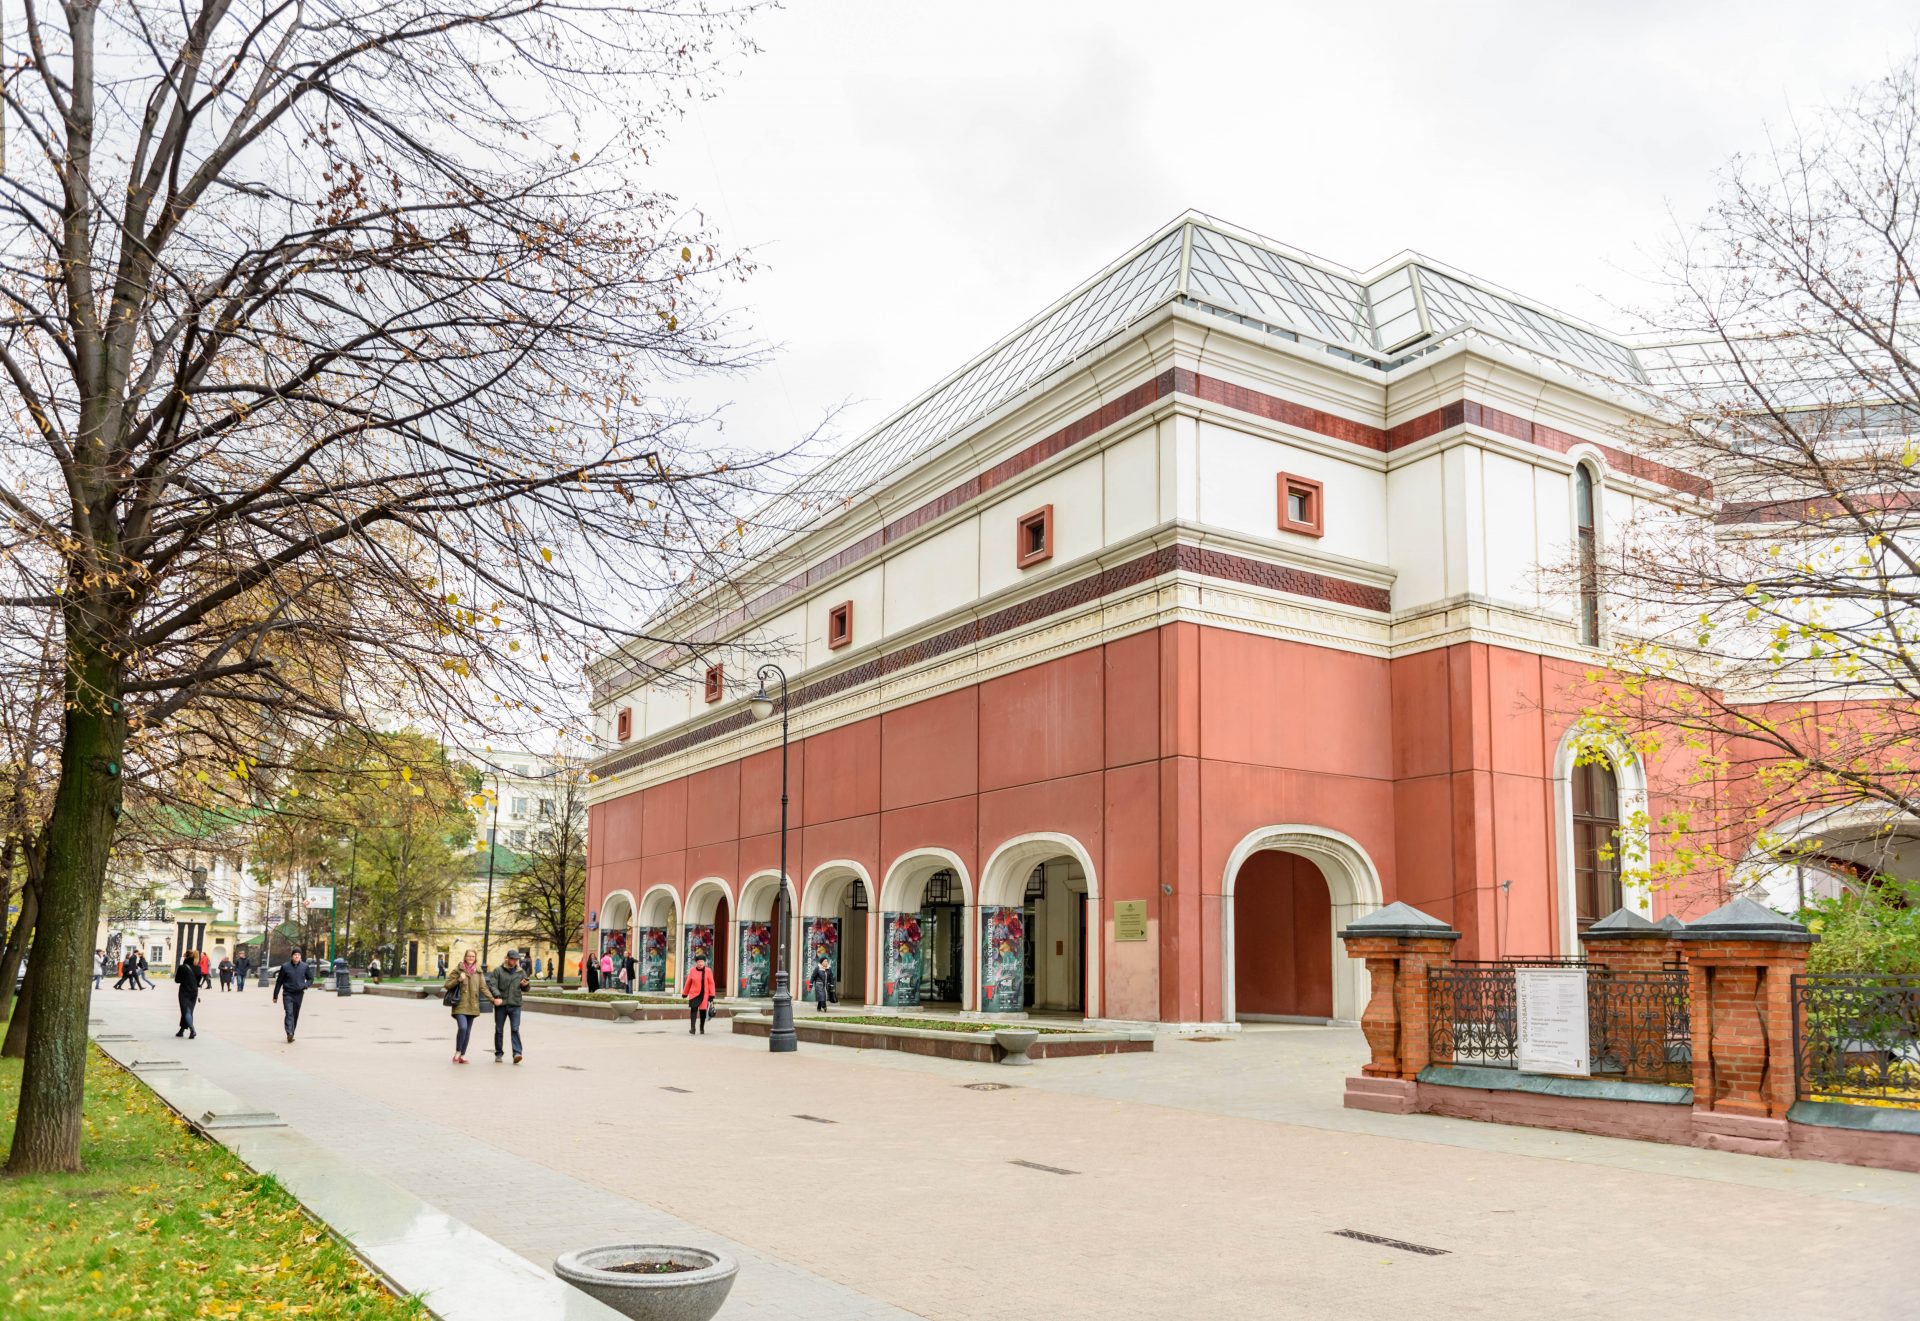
133, 969
469, 989
607, 972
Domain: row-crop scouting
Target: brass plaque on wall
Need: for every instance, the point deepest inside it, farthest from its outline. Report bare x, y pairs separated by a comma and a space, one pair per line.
1130, 919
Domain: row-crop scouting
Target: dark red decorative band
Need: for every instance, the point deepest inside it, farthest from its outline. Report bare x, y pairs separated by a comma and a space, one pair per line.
1175, 381
1141, 569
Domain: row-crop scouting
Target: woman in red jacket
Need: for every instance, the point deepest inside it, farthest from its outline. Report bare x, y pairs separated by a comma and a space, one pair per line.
699, 992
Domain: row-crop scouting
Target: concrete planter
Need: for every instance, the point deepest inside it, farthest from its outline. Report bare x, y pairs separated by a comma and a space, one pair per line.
1016, 1041
687, 1295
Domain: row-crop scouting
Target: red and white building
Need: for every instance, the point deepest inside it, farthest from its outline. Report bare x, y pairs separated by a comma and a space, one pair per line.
1203, 613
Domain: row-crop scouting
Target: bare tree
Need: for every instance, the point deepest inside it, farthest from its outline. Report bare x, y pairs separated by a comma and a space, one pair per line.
1766, 651
342, 337
545, 898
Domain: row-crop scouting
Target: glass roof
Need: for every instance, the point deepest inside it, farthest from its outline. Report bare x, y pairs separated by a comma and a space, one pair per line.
1378, 319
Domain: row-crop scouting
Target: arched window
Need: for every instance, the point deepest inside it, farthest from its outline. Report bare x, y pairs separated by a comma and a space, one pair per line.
1596, 861
1586, 503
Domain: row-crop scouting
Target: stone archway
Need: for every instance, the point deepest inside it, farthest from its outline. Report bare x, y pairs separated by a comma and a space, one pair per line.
754, 937
913, 959
706, 930
836, 918
657, 938
1352, 890
1044, 886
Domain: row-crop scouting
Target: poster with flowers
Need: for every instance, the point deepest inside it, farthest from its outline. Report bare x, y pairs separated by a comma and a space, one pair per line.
823, 942
1002, 960
653, 958
699, 945
901, 965
756, 958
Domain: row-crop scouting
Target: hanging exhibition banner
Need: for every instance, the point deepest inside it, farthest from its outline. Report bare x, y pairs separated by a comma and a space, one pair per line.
653, 958
901, 965
823, 942
1002, 960
756, 958
1550, 1008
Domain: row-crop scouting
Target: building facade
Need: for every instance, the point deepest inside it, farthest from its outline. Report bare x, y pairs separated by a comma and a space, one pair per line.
1215, 607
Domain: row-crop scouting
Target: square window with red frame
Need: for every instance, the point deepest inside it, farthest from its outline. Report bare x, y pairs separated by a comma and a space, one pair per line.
1301, 506
1035, 537
716, 682
840, 625
623, 724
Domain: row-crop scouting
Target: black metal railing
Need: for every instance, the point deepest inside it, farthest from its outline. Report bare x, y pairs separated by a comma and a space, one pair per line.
1638, 1023
1856, 1037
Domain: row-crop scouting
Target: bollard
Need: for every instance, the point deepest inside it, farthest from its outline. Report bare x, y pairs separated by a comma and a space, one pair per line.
342, 983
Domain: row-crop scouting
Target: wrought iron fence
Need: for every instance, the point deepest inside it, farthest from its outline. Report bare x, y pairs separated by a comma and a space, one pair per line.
1638, 1023
1857, 1036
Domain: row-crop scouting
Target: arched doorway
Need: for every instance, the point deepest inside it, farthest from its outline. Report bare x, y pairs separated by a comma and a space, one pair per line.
753, 940
1283, 931
707, 934
658, 938
1040, 929
834, 912
615, 934
927, 951
1283, 936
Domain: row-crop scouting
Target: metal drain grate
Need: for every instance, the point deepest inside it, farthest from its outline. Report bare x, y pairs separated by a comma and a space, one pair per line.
1203, 1038
574, 1068
987, 1086
1385, 1242
682, 1090
394, 1042
1036, 1165
816, 1119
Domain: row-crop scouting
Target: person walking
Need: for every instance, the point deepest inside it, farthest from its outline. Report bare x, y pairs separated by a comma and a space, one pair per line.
507, 983
821, 980
606, 971
293, 980
140, 961
226, 974
126, 971
699, 991
591, 971
630, 969
241, 967
466, 990
373, 970
206, 972
187, 978
101, 967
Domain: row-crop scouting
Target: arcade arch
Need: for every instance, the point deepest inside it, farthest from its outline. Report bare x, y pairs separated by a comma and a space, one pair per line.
836, 918
1041, 927
753, 937
708, 928
928, 932
658, 938
1281, 957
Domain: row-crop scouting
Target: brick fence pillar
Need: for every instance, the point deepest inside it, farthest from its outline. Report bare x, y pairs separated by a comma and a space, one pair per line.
1741, 960
1624, 941
1398, 944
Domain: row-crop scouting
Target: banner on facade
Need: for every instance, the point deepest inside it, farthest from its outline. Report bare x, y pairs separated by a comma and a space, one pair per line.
756, 959
1550, 1007
653, 958
900, 965
699, 946
319, 896
823, 942
1003, 958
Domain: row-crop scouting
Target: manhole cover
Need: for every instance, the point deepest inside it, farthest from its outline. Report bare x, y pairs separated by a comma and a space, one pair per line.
986, 1086
1203, 1038
1385, 1242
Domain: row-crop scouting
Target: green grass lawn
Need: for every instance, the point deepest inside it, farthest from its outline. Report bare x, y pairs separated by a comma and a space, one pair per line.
164, 1223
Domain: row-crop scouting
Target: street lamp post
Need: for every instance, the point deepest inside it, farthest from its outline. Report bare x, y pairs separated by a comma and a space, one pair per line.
353, 871
780, 1037
493, 847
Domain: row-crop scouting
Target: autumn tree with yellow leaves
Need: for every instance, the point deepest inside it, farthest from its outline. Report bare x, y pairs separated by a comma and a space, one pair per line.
340, 343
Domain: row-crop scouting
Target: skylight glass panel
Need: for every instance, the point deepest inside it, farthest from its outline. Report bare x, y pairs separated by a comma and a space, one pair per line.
1234, 274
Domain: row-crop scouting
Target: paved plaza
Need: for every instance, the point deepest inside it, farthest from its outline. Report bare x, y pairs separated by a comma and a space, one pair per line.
1206, 1178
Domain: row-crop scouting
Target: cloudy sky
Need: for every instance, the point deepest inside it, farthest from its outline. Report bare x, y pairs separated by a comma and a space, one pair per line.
918, 179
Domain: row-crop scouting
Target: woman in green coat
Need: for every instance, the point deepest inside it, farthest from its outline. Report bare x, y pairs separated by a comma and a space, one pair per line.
467, 996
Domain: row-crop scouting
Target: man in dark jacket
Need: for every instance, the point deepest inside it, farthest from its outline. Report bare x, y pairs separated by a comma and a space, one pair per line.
241, 967
292, 981
505, 984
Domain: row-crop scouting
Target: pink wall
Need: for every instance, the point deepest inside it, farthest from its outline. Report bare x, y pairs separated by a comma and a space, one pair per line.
1283, 937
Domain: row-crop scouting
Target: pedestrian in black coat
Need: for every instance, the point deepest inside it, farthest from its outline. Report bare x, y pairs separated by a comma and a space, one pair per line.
187, 978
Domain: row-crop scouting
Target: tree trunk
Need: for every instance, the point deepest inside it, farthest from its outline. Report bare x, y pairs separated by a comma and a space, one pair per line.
16, 950
46, 1135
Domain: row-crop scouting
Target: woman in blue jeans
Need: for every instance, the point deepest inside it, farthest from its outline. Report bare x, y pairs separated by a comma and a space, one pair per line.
472, 1000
